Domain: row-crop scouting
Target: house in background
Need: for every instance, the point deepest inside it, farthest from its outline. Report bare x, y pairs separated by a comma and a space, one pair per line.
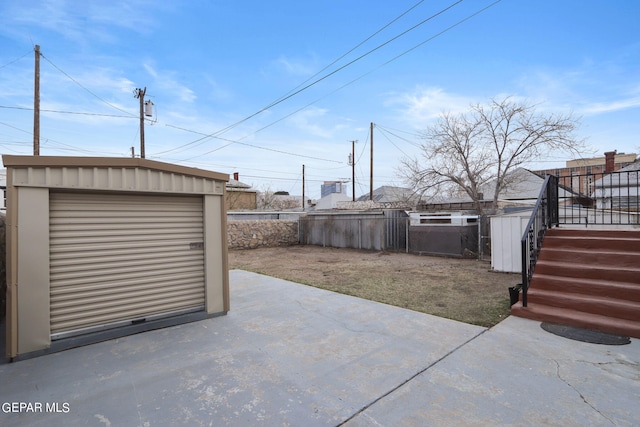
523, 189
240, 196
388, 194
330, 187
611, 161
619, 191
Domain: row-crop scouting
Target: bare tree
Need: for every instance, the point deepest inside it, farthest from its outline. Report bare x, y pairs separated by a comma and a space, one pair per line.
464, 152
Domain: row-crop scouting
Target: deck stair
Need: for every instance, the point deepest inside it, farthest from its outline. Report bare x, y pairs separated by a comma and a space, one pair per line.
587, 278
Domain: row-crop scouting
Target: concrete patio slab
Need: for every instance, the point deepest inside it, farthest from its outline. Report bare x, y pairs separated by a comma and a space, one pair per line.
287, 354
519, 374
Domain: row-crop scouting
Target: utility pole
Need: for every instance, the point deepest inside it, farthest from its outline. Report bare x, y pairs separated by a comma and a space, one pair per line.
352, 163
36, 104
371, 166
303, 187
139, 93
133, 152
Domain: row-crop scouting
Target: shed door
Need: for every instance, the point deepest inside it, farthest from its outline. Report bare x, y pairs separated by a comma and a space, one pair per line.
122, 258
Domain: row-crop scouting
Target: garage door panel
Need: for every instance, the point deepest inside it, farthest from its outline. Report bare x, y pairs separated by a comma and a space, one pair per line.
63, 296
79, 278
110, 264
114, 253
122, 244
95, 303
123, 257
112, 315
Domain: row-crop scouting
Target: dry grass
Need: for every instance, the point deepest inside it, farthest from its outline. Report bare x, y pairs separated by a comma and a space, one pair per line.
459, 289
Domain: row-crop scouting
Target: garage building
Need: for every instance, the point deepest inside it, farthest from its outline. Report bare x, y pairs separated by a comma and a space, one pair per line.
104, 247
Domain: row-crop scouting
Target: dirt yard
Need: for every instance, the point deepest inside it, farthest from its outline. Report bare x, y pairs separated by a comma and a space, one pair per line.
459, 289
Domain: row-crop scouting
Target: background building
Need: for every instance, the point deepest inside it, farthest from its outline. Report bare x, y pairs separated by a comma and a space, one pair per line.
330, 187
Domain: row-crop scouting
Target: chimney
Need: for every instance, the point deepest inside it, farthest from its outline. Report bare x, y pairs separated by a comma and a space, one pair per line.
610, 161
236, 176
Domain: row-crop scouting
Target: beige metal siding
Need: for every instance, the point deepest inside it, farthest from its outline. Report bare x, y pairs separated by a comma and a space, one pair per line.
116, 257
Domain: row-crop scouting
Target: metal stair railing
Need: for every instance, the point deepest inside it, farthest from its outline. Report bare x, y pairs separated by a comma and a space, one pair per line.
544, 216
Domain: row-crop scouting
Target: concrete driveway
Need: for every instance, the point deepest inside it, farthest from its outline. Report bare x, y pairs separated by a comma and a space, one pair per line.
292, 355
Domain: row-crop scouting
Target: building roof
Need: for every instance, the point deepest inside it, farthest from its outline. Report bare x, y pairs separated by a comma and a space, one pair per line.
119, 162
525, 185
234, 185
390, 194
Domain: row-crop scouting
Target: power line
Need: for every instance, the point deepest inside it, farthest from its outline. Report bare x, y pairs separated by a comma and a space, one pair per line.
356, 46
443, 31
15, 60
70, 112
387, 131
48, 140
78, 83
356, 79
231, 141
392, 143
292, 94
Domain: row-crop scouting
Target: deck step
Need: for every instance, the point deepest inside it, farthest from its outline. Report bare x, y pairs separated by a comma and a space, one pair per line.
588, 279
579, 319
616, 258
595, 287
596, 270
602, 305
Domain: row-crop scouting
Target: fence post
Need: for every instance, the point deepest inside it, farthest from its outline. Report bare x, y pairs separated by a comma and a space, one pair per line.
406, 228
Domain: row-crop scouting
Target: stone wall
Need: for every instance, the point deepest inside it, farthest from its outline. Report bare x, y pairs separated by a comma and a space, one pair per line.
251, 234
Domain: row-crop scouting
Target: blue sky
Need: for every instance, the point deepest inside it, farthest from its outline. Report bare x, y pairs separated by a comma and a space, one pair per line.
209, 65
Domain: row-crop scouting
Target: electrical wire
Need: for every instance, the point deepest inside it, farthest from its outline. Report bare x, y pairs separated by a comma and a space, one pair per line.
296, 92
205, 136
70, 112
357, 78
14, 61
355, 47
243, 143
48, 140
392, 143
78, 83
283, 152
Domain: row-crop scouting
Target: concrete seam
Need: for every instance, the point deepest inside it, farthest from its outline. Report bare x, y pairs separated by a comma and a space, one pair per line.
408, 380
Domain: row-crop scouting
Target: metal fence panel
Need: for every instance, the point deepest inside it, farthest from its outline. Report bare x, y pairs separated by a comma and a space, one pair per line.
379, 231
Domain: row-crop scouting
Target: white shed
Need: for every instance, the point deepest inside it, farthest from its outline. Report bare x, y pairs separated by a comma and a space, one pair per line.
506, 233
104, 247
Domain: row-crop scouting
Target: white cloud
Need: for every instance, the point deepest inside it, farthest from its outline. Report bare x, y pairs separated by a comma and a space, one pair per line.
166, 83
295, 66
611, 106
314, 121
79, 21
589, 89
427, 103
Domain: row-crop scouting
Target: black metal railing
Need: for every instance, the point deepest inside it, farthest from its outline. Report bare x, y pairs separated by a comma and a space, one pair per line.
544, 216
610, 199
602, 198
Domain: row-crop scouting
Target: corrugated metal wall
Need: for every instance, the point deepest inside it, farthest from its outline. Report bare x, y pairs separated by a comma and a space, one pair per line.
360, 230
116, 257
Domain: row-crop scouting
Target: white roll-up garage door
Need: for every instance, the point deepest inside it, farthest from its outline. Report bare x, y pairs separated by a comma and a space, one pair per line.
118, 259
